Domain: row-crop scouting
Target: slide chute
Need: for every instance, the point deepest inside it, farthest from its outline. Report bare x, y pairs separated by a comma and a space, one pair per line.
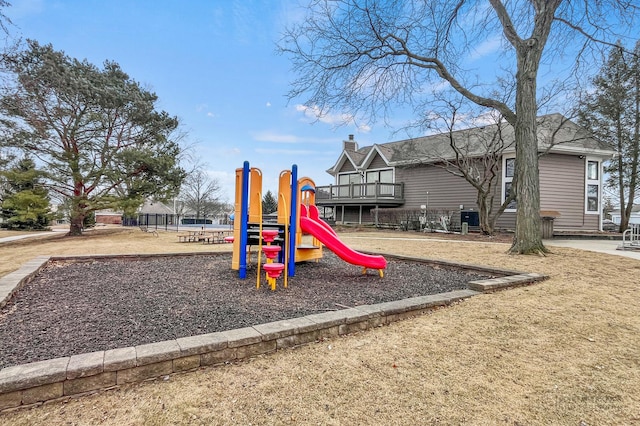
311, 223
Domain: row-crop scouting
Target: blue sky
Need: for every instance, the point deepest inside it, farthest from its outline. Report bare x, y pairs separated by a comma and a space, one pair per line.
213, 64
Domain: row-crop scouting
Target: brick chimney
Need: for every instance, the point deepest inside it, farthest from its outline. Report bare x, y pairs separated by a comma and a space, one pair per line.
350, 145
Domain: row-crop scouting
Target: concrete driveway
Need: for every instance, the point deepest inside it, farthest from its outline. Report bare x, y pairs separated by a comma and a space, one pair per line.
601, 246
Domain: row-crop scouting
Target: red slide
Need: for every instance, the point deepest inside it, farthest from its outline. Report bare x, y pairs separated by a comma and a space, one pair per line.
323, 232
314, 215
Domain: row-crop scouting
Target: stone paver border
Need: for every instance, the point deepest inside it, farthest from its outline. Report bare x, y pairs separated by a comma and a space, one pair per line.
62, 378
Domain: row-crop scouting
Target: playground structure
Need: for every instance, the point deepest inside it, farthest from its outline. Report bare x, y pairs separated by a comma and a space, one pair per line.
298, 234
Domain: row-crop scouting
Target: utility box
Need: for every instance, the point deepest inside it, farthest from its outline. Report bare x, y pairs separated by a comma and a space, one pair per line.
471, 217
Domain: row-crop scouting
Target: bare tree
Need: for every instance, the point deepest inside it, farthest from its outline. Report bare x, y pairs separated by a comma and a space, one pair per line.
476, 156
201, 194
364, 56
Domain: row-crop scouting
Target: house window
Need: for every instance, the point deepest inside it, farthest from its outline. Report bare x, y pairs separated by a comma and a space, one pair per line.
592, 170
508, 172
509, 167
382, 177
592, 187
345, 180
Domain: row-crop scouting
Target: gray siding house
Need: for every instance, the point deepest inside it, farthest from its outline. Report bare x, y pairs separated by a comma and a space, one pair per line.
417, 173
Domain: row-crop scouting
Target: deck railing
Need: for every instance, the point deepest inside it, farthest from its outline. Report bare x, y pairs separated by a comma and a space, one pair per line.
361, 191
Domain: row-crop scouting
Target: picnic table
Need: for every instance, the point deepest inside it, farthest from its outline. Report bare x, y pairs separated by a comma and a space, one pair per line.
209, 236
217, 236
190, 236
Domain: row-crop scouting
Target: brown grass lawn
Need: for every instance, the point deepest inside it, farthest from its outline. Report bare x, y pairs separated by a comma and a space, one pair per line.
562, 352
7, 233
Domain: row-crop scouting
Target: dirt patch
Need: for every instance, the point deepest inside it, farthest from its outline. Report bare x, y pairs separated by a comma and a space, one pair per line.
79, 307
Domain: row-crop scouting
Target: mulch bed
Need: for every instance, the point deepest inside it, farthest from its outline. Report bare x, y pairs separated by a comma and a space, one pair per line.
78, 307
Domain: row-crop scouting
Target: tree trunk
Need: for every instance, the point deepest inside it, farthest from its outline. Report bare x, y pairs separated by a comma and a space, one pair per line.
77, 215
486, 221
77, 224
528, 235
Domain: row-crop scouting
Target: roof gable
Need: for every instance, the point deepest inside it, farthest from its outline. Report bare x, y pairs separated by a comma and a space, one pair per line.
374, 153
354, 157
344, 158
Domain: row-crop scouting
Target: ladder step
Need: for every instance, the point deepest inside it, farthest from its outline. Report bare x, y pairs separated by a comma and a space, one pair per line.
307, 247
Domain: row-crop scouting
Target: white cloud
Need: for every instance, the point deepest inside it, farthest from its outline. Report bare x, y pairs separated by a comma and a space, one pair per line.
364, 128
233, 151
315, 113
276, 137
271, 136
210, 114
268, 104
291, 152
486, 48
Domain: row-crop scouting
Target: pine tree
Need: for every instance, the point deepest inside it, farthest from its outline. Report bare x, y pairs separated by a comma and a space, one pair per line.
26, 205
612, 113
269, 203
98, 132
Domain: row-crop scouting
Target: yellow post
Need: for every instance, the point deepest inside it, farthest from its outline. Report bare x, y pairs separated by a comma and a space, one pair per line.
284, 196
255, 194
237, 215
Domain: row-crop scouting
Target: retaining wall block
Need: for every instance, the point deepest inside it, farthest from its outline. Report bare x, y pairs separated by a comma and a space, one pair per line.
83, 365
218, 357
355, 315
42, 393
86, 384
196, 345
152, 353
10, 400
278, 329
242, 337
119, 359
186, 363
256, 349
375, 315
144, 372
33, 374
304, 338
329, 318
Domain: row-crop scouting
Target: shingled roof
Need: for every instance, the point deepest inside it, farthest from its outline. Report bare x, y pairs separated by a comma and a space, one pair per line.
556, 134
